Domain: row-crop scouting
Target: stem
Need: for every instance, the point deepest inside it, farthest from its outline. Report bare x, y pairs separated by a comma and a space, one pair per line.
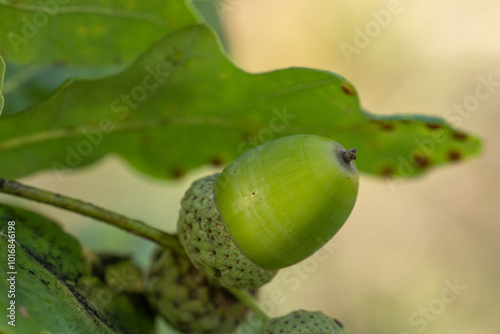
87, 209
349, 155
245, 297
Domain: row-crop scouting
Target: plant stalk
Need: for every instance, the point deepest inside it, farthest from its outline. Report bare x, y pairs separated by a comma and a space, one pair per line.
245, 297
87, 209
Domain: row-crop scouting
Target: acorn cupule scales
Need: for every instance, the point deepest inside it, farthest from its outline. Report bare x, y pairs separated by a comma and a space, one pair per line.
185, 298
305, 322
268, 209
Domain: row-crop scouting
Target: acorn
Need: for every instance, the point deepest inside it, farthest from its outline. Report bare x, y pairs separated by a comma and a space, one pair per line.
187, 300
303, 322
272, 207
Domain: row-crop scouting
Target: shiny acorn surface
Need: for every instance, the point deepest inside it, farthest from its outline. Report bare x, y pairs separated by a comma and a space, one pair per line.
282, 201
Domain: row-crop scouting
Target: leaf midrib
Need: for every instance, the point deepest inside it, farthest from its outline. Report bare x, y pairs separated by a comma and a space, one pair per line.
124, 126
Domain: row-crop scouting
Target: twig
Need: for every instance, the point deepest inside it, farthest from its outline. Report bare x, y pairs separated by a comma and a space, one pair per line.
87, 209
245, 297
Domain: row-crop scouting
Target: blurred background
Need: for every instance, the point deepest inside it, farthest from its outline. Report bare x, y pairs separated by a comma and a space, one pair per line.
416, 256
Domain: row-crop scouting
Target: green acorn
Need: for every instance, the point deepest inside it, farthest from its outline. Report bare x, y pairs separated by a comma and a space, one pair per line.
270, 208
303, 322
187, 300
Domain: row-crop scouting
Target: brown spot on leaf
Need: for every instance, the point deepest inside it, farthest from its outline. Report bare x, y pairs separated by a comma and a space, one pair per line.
387, 172
454, 155
433, 126
348, 89
459, 136
419, 160
387, 126
178, 172
405, 121
217, 161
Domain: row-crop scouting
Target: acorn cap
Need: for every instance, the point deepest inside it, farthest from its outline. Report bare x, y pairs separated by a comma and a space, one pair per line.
303, 322
208, 245
283, 200
187, 300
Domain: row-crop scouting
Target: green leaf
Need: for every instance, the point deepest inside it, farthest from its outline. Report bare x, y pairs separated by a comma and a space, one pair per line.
54, 290
88, 32
47, 242
182, 104
29, 85
2, 73
49, 42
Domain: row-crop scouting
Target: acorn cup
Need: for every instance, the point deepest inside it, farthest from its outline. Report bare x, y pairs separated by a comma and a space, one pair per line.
303, 322
187, 300
272, 207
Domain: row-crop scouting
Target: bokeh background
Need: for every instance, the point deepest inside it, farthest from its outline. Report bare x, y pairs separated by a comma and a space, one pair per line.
406, 241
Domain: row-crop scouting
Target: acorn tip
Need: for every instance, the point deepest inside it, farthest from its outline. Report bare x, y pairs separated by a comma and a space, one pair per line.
349, 155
